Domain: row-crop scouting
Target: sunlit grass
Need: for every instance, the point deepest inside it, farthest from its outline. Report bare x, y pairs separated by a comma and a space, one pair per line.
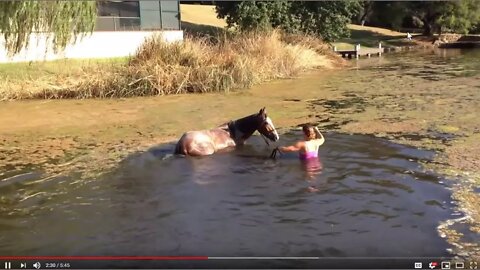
64, 67
369, 37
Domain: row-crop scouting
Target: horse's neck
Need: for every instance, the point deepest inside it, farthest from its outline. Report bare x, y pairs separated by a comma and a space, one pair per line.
243, 128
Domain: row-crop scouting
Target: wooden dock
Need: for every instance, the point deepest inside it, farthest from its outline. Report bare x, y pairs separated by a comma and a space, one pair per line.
358, 51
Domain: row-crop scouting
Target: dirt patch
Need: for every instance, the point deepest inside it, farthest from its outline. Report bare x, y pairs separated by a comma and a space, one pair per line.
463, 155
382, 126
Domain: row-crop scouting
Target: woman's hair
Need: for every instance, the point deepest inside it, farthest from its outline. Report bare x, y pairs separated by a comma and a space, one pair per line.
309, 132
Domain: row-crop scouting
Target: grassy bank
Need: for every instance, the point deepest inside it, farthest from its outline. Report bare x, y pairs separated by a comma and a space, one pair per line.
21, 80
369, 37
197, 65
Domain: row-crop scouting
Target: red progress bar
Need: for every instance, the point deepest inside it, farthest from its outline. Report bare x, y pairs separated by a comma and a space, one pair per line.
106, 258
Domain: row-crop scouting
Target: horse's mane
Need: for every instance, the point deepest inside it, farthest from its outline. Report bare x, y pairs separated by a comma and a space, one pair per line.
246, 125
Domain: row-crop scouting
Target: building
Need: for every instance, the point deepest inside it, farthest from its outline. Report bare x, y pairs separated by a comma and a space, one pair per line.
138, 15
121, 27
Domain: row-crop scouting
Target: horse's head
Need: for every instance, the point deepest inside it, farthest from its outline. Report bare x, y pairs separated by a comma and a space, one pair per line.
267, 128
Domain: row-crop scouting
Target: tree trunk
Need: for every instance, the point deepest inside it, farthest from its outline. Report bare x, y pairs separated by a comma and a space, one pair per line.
427, 28
366, 11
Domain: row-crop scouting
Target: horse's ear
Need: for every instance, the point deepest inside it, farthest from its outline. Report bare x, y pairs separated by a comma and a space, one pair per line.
262, 111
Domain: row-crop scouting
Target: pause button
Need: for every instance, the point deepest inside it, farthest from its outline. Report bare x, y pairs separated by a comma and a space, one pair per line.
8, 265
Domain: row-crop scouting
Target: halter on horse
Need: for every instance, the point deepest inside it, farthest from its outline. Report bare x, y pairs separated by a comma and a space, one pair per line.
207, 142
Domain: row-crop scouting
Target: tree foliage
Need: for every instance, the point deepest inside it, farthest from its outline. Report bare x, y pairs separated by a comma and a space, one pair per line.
435, 16
327, 19
255, 15
463, 17
388, 14
61, 21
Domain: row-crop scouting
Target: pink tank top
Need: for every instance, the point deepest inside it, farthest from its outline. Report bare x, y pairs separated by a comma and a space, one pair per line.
311, 148
308, 155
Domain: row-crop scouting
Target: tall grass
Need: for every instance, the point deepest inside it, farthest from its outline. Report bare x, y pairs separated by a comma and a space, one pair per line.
198, 65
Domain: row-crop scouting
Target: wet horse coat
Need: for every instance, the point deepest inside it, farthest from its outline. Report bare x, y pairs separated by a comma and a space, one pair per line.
207, 142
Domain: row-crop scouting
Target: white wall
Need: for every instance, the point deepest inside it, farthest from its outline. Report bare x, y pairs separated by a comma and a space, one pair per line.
96, 45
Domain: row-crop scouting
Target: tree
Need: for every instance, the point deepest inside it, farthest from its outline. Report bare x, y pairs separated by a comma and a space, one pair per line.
61, 21
458, 16
476, 28
256, 15
388, 14
327, 19
463, 18
366, 9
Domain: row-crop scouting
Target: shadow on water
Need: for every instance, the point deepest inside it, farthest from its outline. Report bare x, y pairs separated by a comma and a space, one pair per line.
373, 199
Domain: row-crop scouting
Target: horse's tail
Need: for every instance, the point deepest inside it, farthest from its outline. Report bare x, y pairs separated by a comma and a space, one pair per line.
179, 149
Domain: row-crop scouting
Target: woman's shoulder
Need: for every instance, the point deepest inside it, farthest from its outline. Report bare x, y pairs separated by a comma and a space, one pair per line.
318, 141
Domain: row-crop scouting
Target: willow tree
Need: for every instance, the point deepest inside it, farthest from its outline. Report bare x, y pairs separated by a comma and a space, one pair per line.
62, 22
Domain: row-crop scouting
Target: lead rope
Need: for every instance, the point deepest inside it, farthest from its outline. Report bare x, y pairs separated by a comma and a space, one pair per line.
275, 150
274, 153
265, 139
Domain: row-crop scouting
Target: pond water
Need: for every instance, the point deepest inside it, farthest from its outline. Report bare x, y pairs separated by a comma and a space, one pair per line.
373, 197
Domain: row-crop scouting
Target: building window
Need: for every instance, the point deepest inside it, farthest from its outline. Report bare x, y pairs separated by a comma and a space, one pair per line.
118, 16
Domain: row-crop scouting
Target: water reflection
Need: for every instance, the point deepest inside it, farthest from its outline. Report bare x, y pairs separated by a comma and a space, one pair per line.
313, 168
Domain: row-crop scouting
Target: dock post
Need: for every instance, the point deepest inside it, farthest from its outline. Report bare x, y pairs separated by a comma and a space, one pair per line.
380, 49
334, 48
357, 51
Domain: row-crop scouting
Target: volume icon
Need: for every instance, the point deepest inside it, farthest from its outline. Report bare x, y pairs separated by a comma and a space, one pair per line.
37, 265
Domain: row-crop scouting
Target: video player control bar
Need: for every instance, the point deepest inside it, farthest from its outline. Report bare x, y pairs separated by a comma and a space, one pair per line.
254, 262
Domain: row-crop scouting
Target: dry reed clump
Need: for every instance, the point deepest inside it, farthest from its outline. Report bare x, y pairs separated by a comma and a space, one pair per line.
199, 65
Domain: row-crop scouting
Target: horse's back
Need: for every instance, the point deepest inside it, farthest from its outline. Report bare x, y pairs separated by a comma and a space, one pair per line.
195, 143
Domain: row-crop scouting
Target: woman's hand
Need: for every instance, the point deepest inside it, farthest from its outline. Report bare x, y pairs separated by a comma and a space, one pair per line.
319, 136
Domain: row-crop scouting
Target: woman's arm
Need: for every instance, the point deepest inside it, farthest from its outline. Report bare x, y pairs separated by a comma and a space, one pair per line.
291, 148
319, 136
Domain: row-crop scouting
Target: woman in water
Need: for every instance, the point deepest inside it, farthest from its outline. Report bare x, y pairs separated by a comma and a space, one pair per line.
309, 148
308, 153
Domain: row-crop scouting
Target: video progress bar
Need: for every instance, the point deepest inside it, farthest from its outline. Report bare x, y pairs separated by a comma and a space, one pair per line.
263, 258
189, 258
145, 258
104, 258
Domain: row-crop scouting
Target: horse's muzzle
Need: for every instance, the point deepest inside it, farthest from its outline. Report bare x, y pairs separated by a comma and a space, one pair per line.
273, 137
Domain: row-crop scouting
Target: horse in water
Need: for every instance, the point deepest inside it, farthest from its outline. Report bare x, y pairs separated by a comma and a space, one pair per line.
207, 142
